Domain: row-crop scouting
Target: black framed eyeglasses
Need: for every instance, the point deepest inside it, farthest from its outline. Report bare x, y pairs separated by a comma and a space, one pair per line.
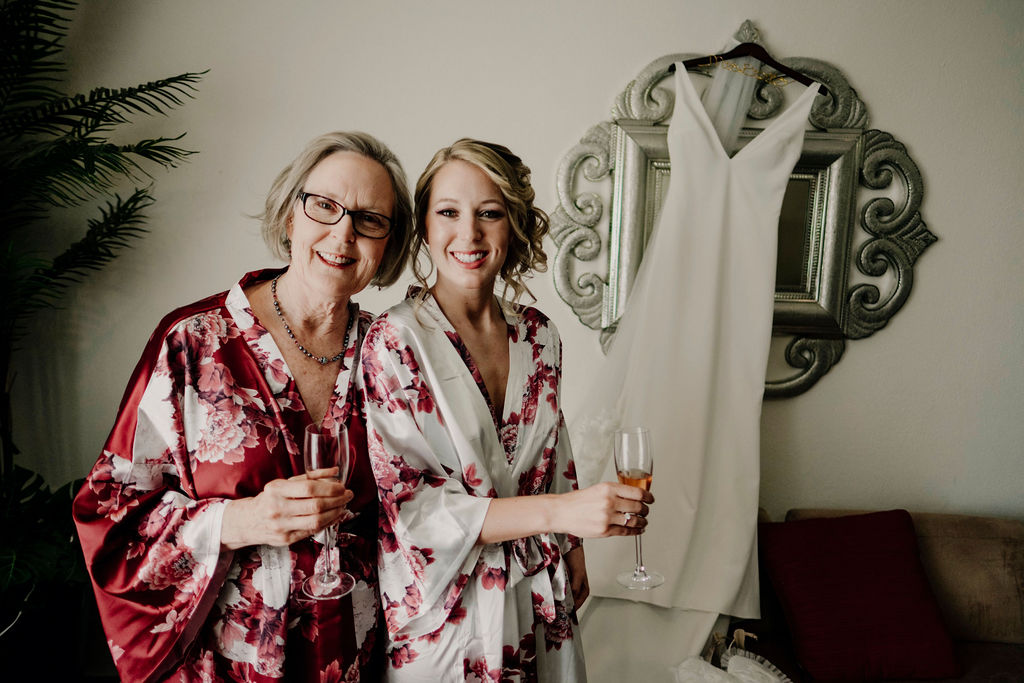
325, 210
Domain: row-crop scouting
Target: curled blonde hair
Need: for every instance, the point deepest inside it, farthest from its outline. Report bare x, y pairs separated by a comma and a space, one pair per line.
285, 190
528, 224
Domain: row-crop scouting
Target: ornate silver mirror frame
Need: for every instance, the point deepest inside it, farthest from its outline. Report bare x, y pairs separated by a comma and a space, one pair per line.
845, 171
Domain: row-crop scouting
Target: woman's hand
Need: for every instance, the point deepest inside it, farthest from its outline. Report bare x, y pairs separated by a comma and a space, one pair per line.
286, 511
576, 565
605, 509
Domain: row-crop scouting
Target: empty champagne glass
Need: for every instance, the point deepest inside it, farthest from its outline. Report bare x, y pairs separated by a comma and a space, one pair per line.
323, 448
634, 463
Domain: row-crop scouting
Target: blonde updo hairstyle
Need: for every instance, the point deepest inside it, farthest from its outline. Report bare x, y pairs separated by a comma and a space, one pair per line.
285, 191
528, 224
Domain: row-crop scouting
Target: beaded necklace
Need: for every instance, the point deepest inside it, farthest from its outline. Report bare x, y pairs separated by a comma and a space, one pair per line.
322, 360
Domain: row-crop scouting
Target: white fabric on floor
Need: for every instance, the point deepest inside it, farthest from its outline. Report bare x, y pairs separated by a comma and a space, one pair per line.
627, 641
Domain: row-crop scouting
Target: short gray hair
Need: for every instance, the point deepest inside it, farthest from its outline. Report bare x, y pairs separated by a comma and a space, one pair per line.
289, 182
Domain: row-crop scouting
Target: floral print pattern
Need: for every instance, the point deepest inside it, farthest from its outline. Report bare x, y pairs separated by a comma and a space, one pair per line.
456, 610
210, 415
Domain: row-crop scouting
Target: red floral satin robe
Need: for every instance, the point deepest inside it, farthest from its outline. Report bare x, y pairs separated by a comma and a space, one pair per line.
212, 414
457, 610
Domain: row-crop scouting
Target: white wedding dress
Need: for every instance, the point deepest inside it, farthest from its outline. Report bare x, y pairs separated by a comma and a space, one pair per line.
689, 362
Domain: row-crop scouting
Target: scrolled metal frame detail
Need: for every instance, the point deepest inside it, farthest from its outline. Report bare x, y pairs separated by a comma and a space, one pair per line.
897, 235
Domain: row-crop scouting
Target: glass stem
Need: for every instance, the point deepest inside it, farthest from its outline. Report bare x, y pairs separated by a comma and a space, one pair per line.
640, 570
329, 539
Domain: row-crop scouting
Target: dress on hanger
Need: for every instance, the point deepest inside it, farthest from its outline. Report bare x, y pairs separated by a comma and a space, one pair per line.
689, 362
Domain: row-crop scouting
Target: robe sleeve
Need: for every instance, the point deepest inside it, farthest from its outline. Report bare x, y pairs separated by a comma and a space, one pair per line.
430, 517
151, 547
565, 479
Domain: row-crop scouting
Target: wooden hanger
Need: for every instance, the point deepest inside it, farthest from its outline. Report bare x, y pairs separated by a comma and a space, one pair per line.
757, 52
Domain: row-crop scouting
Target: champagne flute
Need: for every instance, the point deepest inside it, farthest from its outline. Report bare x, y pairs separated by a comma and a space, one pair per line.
323, 448
634, 463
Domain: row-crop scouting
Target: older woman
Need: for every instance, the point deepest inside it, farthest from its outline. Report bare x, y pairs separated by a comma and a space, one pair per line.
196, 519
481, 567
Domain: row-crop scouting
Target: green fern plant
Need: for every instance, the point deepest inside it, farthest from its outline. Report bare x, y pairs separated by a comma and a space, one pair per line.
55, 155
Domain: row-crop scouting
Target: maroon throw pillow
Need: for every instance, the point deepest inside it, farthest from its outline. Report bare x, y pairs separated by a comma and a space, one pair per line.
856, 598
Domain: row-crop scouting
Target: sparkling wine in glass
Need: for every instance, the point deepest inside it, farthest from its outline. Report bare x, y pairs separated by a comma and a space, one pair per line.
634, 463
323, 448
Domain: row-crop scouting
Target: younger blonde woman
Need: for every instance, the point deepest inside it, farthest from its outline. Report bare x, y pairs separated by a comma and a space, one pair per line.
480, 563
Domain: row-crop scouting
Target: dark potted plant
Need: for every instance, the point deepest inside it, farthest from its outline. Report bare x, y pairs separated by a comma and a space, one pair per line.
55, 154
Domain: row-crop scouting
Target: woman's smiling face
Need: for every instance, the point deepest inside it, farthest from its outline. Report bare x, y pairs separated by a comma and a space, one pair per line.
332, 260
467, 228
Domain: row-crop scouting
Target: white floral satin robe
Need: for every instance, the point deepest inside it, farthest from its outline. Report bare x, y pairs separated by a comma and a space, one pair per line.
457, 610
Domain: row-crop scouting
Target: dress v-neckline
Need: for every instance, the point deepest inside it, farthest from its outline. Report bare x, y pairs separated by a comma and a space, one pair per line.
696, 108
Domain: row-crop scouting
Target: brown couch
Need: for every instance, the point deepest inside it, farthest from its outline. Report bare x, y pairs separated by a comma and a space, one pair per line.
975, 568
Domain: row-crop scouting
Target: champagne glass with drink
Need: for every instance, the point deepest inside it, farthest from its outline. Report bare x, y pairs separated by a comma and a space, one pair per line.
323, 448
634, 463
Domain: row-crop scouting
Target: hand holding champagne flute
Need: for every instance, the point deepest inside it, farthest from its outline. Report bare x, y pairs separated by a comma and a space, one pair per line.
323, 449
634, 463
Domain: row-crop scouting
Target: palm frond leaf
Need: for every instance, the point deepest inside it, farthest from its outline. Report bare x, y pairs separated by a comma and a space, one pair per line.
70, 171
31, 39
67, 172
101, 109
158, 151
120, 222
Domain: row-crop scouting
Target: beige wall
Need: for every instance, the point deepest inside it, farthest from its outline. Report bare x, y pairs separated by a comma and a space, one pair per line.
925, 414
